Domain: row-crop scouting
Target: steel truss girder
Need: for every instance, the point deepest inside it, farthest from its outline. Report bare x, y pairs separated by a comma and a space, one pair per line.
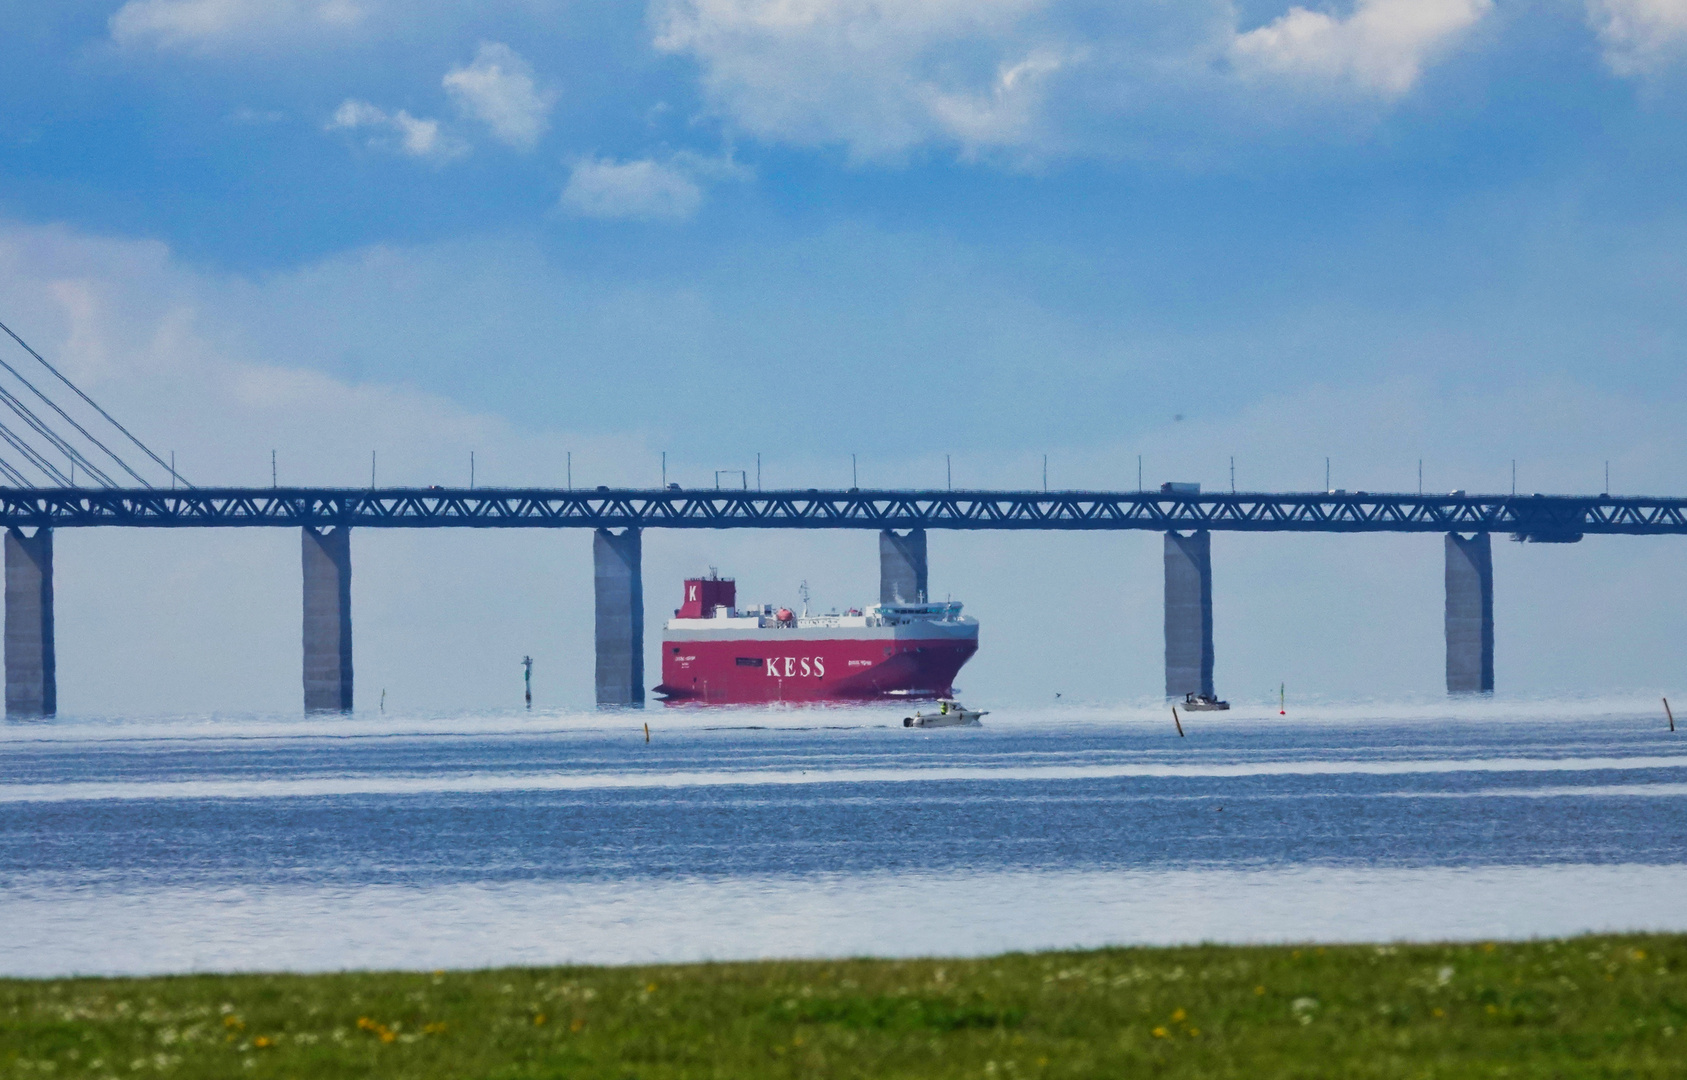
1550, 518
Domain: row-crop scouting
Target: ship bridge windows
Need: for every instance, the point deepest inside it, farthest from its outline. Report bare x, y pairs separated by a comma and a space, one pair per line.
751, 661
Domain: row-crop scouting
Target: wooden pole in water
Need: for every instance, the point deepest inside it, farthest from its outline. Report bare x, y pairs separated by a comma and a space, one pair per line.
647, 733
1669, 714
1178, 722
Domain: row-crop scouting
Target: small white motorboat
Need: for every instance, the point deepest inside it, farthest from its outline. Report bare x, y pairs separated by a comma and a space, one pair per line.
1203, 703
950, 713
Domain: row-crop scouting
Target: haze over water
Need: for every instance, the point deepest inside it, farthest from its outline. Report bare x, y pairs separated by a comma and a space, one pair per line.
234, 843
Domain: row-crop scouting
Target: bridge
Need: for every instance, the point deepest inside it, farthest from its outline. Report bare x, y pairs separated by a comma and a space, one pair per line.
50, 436
618, 517
1541, 518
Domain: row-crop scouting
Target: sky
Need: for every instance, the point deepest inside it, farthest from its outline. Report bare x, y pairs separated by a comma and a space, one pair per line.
569, 235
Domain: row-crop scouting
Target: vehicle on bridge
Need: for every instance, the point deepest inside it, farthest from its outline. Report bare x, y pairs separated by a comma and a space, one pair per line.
714, 653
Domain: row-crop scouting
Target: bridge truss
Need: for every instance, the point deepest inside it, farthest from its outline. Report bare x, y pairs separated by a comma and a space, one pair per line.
1555, 518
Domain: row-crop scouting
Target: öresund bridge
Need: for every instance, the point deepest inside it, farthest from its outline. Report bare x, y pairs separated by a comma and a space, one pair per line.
617, 518
50, 438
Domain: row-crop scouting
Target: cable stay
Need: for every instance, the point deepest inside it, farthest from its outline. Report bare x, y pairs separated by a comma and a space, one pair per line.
17, 478
72, 422
28, 416
61, 444
34, 458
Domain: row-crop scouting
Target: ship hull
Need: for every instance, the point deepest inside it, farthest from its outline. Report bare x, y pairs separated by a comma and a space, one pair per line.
798, 666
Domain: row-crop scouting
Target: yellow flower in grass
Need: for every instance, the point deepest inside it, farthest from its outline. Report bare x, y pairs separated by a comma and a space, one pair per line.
263, 1042
1161, 1033
1179, 1016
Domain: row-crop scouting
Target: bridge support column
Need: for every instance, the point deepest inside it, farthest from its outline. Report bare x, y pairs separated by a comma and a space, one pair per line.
618, 575
902, 567
32, 687
1189, 614
1470, 614
327, 625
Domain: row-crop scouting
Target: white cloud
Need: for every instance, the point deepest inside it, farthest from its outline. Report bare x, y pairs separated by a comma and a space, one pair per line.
1021, 79
499, 90
415, 136
878, 75
1381, 47
639, 190
646, 189
355, 114
211, 24
1003, 112
1640, 36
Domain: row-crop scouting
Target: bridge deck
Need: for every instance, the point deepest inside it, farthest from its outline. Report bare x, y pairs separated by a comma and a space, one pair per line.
1555, 518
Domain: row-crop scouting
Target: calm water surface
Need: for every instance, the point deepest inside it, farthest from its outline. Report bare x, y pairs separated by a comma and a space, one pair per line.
252, 843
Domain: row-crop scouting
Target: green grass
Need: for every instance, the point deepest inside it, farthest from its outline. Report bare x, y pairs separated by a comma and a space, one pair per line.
1585, 1007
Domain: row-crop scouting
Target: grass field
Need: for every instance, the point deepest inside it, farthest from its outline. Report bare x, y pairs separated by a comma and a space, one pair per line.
1584, 1007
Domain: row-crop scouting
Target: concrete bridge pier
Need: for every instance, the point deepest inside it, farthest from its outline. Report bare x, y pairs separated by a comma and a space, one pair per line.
32, 687
1470, 614
1189, 614
902, 567
618, 576
326, 556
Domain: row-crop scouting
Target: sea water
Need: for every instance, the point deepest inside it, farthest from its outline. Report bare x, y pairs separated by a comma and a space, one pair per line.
287, 843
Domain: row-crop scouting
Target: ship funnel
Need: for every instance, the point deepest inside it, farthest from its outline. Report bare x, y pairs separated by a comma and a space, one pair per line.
703, 595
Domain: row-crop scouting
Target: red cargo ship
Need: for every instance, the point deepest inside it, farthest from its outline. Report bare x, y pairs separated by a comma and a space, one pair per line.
715, 654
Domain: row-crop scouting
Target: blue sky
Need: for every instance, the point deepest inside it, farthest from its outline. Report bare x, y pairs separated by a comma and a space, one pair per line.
1155, 221
1377, 231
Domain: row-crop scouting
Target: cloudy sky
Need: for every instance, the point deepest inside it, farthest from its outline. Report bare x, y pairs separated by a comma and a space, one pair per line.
1378, 231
